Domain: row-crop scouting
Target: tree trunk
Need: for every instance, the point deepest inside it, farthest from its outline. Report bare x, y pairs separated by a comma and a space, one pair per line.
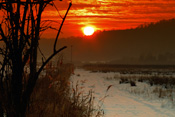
17, 75
1, 111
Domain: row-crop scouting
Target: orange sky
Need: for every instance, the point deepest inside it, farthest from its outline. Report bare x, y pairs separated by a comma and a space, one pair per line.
107, 14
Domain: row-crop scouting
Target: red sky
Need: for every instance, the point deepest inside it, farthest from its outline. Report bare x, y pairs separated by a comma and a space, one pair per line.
107, 14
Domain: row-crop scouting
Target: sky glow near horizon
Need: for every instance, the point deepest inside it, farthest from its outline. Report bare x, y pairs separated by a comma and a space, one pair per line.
108, 14
112, 14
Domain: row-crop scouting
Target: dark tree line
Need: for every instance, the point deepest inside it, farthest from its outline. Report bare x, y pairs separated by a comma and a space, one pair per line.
20, 30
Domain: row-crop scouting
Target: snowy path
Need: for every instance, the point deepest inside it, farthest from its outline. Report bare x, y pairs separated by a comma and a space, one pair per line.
119, 103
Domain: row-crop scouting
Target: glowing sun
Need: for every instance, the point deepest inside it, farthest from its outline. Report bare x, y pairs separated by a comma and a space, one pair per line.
88, 30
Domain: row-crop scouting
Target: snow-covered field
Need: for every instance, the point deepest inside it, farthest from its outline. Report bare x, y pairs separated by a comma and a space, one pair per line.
123, 100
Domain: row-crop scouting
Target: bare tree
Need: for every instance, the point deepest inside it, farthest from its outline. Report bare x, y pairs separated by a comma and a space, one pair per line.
20, 31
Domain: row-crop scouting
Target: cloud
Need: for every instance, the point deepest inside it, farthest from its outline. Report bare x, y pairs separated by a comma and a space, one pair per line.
113, 14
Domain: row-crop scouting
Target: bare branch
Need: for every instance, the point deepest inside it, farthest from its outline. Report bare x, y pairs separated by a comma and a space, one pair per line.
57, 10
26, 57
54, 49
41, 52
23, 24
43, 65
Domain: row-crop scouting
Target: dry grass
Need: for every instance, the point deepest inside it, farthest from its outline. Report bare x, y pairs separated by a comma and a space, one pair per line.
55, 97
163, 81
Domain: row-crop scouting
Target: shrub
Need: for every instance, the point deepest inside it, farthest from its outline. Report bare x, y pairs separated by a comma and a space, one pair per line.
132, 83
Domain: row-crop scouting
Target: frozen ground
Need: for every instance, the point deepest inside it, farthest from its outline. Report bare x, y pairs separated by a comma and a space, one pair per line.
120, 102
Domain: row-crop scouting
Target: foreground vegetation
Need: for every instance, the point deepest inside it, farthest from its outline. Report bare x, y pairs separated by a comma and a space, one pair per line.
54, 96
21, 27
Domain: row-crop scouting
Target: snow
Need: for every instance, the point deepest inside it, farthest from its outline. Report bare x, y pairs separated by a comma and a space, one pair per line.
120, 100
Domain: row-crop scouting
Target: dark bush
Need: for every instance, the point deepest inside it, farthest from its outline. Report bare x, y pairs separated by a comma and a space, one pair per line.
132, 83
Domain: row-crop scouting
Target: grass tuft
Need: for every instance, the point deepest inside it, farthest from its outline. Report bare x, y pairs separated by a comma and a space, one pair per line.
54, 96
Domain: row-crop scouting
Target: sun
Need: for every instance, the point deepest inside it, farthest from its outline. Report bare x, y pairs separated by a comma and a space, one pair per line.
88, 31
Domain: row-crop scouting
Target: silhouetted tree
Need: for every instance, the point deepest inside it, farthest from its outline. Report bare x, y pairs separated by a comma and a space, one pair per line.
20, 31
